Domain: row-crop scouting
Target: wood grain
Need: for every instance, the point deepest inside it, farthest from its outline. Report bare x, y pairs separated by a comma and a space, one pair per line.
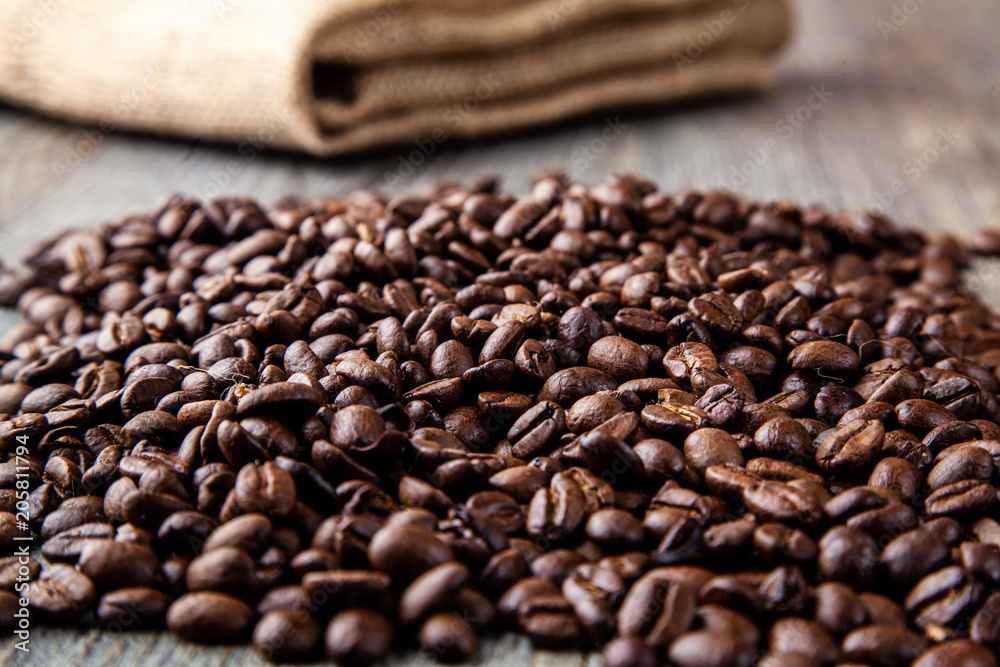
891, 96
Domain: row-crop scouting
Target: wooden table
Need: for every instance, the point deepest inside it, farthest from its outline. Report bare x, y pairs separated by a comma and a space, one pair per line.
905, 114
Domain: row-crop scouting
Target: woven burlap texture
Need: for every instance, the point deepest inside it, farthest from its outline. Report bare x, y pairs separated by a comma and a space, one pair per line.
336, 76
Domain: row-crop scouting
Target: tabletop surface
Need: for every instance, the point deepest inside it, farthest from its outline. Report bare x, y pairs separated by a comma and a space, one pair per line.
875, 103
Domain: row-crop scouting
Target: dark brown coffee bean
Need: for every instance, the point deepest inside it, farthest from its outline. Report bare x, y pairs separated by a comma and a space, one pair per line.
619, 357
286, 635
60, 594
954, 653
567, 386
132, 609
848, 555
657, 608
359, 636
209, 617
448, 638
961, 499
537, 430
111, 564
227, 570
922, 416
912, 555
943, 597
897, 475
407, 552
882, 645
783, 437
838, 608
967, 463
629, 652
708, 648
798, 635
851, 446
709, 447
826, 356
776, 501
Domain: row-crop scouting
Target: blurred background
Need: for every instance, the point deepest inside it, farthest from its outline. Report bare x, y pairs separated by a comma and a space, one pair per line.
886, 104
873, 103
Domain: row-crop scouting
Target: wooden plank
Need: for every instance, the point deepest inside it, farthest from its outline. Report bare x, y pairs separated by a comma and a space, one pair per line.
892, 96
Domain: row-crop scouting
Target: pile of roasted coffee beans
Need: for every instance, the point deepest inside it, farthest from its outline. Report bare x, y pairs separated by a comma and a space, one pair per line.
681, 429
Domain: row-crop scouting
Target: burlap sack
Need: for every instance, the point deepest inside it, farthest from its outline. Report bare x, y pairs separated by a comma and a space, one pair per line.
332, 76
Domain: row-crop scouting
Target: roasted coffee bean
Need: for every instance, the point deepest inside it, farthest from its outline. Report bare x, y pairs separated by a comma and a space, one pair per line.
848, 555
287, 635
629, 652
406, 551
961, 499
710, 447
448, 638
954, 653
962, 464
419, 406
359, 636
657, 608
132, 608
798, 635
567, 386
114, 564
777, 501
60, 594
619, 357
227, 570
209, 617
851, 446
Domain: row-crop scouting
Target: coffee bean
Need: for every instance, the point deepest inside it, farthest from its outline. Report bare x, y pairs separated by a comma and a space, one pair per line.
798, 635
567, 386
826, 356
707, 648
954, 653
286, 635
111, 564
852, 446
132, 608
414, 415
776, 501
709, 447
60, 594
912, 555
226, 569
448, 638
783, 437
848, 555
882, 645
629, 652
407, 552
657, 608
619, 357
209, 617
359, 636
